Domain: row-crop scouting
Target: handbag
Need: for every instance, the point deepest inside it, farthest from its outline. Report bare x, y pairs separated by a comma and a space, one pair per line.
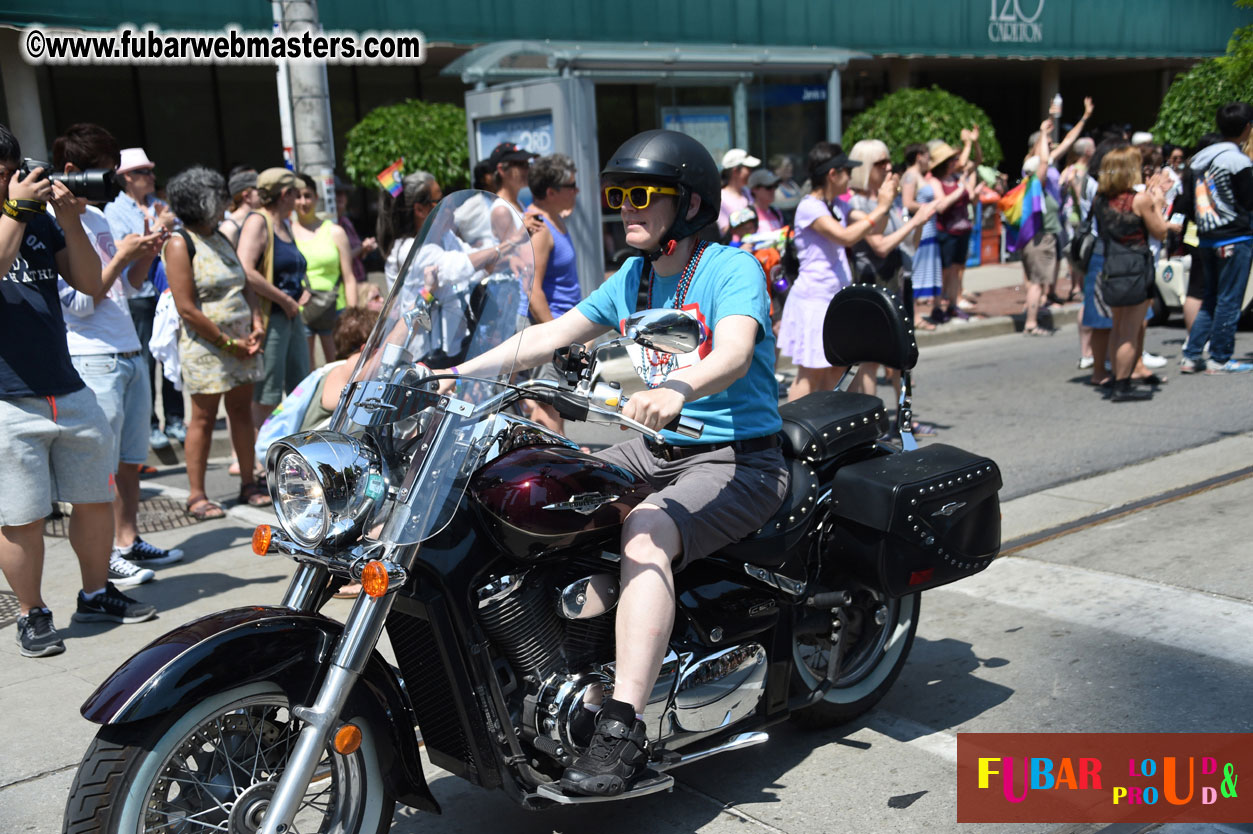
1126, 275
319, 310
1084, 242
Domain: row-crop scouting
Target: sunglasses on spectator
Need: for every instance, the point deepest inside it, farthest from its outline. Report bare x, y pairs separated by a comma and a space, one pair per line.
571, 184
883, 163
639, 195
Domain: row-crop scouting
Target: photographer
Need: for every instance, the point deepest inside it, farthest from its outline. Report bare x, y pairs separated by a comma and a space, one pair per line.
137, 211
53, 435
106, 352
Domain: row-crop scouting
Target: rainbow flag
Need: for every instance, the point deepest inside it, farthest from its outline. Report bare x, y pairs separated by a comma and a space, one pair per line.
1023, 210
390, 176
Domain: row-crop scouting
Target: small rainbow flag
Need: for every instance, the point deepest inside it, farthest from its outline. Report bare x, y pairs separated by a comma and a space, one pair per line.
390, 176
1023, 210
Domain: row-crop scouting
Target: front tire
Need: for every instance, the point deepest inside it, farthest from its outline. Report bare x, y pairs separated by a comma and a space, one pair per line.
213, 766
874, 655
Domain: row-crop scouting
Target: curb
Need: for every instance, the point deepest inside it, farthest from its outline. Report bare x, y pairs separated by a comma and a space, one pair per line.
949, 333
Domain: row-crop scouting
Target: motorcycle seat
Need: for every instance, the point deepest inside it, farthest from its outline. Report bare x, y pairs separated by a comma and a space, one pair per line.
821, 425
773, 543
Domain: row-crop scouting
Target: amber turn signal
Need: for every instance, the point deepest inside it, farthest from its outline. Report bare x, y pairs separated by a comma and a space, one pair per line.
374, 578
261, 539
347, 740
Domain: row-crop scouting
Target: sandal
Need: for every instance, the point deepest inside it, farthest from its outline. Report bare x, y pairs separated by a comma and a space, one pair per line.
146, 469
923, 429
1038, 331
202, 509
924, 325
254, 496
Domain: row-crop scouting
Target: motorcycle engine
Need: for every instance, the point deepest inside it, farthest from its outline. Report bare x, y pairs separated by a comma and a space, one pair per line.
554, 628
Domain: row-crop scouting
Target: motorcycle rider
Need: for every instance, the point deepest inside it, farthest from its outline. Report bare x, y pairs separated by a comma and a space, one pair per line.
710, 492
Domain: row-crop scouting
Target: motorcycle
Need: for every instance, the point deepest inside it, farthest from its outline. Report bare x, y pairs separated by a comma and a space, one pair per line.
487, 548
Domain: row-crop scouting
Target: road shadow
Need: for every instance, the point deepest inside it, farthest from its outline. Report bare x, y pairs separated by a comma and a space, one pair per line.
938, 673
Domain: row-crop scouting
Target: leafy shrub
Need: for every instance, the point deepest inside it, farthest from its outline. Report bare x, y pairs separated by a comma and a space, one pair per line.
1190, 104
430, 136
916, 115
1193, 99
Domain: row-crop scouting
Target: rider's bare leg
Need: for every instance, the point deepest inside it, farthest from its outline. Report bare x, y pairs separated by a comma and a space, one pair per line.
645, 614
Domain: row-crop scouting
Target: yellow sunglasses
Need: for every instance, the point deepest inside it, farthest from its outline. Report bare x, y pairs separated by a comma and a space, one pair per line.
639, 195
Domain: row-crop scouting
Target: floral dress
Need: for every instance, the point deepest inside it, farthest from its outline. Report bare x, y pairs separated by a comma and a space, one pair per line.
219, 279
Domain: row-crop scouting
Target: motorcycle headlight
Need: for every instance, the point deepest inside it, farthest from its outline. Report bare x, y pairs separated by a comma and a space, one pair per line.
300, 500
324, 485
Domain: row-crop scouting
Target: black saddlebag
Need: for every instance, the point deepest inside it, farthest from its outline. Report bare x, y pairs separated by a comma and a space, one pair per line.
916, 520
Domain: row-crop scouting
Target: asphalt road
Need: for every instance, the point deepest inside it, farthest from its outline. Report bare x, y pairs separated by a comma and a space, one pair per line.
1140, 623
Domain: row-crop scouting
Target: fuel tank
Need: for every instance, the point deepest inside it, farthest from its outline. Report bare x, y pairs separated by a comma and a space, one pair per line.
540, 500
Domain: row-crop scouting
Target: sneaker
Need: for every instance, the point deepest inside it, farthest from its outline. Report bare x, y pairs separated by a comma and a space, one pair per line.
143, 554
1192, 366
176, 429
124, 573
112, 606
158, 440
1231, 366
36, 635
1152, 360
615, 758
1086, 362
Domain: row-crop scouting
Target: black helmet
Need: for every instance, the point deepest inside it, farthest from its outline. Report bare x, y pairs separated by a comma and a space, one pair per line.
677, 159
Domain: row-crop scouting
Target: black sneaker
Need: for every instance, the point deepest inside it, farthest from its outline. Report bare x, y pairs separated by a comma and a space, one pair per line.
125, 573
146, 555
36, 635
615, 758
112, 606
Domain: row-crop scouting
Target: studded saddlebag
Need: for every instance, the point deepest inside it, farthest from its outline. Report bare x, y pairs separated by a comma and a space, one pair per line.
916, 520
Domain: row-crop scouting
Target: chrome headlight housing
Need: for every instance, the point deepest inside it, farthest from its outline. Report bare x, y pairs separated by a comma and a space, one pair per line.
325, 485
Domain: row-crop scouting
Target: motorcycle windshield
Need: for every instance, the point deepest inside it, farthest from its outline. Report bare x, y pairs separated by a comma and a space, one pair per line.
461, 292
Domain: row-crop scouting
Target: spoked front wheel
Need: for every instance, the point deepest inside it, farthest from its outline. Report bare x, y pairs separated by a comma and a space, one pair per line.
214, 768
877, 638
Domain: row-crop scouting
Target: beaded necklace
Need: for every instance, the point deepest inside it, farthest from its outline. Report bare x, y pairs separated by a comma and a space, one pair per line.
655, 366
685, 280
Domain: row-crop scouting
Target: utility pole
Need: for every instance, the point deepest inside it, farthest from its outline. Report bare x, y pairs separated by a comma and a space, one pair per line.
309, 103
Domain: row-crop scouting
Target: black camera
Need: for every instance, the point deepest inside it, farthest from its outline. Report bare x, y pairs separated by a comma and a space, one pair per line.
98, 185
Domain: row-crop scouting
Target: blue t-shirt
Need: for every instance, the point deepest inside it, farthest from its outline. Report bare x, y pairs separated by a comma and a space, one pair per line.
34, 355
728, 282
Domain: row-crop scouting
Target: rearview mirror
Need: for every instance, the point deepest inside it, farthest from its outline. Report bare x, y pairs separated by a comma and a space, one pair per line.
665, 331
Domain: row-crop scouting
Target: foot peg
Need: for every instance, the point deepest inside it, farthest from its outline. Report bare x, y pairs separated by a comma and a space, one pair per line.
650, 781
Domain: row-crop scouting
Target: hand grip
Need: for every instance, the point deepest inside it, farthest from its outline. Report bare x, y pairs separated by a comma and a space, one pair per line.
686, 426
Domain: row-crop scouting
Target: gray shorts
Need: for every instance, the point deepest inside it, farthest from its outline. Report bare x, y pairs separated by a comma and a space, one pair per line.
54, 449
714, 498
1039, 259
122, 391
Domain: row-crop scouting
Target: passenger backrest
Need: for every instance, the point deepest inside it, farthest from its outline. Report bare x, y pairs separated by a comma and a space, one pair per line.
868, 324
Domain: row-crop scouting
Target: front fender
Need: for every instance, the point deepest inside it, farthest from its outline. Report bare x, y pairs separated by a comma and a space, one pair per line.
270, 644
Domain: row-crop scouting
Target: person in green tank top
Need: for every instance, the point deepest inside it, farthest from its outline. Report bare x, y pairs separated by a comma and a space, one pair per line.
329, 257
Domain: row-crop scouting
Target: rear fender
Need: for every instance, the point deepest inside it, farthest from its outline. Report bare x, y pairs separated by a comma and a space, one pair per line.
264, 644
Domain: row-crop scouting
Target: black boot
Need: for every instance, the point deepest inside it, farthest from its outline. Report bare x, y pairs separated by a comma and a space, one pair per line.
1124, 391
614, 759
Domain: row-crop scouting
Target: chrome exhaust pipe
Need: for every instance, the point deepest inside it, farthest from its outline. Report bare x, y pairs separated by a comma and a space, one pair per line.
734, 743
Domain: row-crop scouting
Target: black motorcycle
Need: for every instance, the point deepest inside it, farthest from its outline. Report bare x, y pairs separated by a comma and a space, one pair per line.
486, 547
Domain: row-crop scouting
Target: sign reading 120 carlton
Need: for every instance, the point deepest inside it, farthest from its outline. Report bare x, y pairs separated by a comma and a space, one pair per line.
1011, 23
